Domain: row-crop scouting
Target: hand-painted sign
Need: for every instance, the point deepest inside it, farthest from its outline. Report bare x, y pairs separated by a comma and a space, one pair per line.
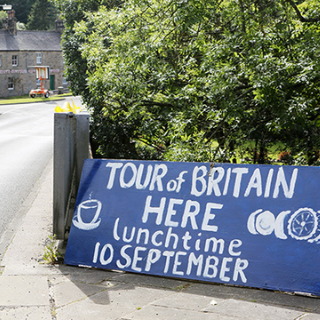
245, 225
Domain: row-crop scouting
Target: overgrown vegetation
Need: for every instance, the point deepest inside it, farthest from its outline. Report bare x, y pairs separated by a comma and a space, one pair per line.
197, 80
52, 254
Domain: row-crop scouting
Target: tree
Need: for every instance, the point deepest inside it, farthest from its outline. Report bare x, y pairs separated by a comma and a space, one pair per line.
42, 16
3, 15
105, 130
198, 80
21, 8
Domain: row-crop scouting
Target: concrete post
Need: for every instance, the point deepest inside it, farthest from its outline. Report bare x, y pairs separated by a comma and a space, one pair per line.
71, 147
82, 143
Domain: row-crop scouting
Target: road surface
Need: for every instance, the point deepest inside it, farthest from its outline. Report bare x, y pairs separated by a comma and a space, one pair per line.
26, 148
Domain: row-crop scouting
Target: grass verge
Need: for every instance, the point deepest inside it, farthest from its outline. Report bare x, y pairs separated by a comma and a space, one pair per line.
27, 99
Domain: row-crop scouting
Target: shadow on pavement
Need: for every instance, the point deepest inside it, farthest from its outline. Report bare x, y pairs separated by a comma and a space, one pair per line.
97, 285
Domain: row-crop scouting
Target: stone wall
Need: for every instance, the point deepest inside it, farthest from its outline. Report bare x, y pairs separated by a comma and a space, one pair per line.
24, 74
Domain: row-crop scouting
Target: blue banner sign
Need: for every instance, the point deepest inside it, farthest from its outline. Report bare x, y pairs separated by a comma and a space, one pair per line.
247, 225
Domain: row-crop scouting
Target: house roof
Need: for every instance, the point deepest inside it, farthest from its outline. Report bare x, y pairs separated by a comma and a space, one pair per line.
30, 41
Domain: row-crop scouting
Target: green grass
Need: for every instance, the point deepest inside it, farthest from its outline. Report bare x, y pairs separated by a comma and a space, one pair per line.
27, 99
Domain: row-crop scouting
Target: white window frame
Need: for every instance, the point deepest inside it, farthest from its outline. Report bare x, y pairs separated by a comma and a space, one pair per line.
39, 57
10, 83
15, 60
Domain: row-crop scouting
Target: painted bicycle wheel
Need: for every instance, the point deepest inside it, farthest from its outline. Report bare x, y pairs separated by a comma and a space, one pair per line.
303, 224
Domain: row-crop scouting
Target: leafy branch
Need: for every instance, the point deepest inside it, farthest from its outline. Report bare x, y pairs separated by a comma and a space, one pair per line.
299, 14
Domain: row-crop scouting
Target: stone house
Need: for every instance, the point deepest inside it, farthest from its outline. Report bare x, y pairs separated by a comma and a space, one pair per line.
21, 51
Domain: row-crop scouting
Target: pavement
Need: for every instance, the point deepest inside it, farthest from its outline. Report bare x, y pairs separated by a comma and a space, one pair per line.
33, 290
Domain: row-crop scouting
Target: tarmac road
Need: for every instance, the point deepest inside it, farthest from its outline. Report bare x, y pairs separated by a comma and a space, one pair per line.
26, 147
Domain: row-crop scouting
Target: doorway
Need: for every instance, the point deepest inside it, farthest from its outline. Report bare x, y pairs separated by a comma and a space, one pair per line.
52, 82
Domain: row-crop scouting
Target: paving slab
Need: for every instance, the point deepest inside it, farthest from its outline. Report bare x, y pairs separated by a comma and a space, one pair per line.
24, 291
85, 275
113, 303
162, 313
30, 269
309, 316
252, 310
265, 297
152, 281
186, 301
26, 313
68, 292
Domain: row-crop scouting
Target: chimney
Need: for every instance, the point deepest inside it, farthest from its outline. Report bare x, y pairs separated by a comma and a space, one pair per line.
10, 23
59, 25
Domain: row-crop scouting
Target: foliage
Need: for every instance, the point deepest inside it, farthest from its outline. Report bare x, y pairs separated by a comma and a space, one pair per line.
52, 255
42, 16
2, 16
192, 80
38, 14
21, 26
21, 8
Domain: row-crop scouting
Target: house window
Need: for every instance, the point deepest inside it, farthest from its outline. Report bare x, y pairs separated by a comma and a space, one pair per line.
0, 61
10, 83
14, 60
39, 57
